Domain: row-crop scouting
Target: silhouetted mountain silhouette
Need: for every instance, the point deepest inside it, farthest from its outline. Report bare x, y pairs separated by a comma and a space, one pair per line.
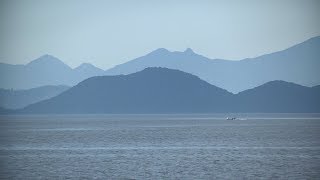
279, 96
153, 90
14, 99
298, 64
46, 70
161, 90
86, 70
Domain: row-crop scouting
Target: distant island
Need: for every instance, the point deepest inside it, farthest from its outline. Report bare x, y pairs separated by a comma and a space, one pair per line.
162, 90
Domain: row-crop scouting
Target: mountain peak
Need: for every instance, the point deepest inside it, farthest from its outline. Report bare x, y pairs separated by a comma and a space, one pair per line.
189, 51
160, 51
87, 67
279, 83
159, 69
46, 60
276, 85
47, 56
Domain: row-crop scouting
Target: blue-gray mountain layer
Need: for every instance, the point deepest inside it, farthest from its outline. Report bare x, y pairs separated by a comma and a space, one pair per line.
161, 90
299, 64
278, 96
46, 70
16, 99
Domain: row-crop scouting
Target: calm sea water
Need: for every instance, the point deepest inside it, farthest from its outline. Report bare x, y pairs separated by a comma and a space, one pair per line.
260, 146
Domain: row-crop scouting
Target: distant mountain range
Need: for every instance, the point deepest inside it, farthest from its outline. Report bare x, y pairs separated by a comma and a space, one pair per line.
16, 99
161, 90
46, 70
298, 64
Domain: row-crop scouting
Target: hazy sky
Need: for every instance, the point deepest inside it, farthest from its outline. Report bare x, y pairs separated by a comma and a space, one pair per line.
106, 33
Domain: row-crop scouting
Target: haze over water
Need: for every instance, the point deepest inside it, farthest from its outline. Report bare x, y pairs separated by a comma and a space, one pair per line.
284, 146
